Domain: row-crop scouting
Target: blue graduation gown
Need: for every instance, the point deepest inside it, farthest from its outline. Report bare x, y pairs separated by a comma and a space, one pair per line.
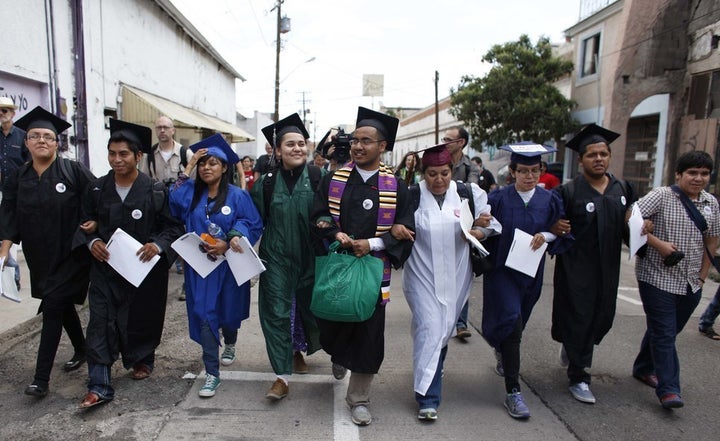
507, 293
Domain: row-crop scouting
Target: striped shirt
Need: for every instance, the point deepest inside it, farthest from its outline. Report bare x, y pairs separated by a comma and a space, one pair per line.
672, 224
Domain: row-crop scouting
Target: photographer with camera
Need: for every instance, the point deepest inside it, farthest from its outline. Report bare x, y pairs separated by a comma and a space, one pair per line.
336, 150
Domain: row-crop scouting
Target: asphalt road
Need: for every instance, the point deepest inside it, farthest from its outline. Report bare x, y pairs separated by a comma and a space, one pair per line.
166, 406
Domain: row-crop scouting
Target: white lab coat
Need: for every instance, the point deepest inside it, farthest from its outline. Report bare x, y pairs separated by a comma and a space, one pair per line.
437, 276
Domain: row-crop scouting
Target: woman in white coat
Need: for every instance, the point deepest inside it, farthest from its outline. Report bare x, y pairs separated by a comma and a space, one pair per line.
438, 275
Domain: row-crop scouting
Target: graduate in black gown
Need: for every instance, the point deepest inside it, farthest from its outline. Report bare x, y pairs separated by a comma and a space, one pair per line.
41, 209
124, 319
359, 347
587, 275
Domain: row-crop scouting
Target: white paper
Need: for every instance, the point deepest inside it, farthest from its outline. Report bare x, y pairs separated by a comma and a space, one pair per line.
245, 265
522, 257
8, 289
123, 259
188, 247
635, 223
466, 221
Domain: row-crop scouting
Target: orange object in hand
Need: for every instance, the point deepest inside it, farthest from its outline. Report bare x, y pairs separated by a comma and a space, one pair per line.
208, 238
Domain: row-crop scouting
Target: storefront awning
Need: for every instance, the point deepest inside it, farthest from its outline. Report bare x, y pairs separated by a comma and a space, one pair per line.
184, 116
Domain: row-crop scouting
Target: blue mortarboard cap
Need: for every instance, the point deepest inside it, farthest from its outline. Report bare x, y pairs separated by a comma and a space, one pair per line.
385, 124
289, 124
527, 152
140, 135
39, 118
217, 147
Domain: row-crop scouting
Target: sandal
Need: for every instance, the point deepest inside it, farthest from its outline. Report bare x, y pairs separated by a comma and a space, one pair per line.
709, 332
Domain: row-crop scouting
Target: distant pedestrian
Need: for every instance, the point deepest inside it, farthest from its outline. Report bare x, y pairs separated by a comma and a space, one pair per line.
547, 180
487, 180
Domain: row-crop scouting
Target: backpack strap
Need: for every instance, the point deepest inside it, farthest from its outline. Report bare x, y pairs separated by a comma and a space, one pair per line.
66, 171
465, 191
183, 156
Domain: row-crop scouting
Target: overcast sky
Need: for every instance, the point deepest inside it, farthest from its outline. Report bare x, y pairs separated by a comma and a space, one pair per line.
404, 40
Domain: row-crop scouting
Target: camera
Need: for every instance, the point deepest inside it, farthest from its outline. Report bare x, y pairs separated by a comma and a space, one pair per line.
341, 142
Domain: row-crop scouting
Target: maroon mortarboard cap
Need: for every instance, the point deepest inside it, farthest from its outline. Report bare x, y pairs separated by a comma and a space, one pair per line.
527, 152
591, 134
39, 118
435, 156
138, 134
291, 124
387, 125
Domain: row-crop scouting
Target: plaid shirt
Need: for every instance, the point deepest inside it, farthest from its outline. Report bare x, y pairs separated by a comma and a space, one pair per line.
672, 224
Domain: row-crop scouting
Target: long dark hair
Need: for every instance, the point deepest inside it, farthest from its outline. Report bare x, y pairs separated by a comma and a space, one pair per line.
201, 186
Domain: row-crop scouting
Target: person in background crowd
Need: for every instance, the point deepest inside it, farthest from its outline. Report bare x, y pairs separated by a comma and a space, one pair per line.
284, 199
211, 205
358, 221
686, 220
547, 180
123, 318
487, 180
587, 274
41, 208
319, 160
248, 176
437, 276
510, 295
464, 170
409, 169
262, 165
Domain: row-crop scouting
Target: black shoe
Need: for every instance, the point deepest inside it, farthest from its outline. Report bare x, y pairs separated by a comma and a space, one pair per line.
36, 390
74, 363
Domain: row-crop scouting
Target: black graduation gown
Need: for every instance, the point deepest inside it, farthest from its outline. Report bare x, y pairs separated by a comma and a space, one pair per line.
125, 319
587, 275
43, 212
360, 347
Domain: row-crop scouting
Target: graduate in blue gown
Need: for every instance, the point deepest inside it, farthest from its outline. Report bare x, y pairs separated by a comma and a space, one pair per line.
509, 295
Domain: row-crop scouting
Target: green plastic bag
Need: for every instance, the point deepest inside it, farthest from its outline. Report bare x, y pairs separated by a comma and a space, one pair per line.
346, 287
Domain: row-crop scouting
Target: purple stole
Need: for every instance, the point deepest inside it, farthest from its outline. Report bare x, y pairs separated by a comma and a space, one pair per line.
387, 197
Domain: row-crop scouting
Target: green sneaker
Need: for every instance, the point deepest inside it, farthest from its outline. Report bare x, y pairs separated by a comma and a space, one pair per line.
228, 355
211, 384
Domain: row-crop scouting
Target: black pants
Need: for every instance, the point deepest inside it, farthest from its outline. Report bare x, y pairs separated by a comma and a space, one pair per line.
57, 313
510, 349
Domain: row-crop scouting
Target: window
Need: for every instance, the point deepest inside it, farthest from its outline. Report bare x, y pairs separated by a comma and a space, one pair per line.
705, 95
590, 55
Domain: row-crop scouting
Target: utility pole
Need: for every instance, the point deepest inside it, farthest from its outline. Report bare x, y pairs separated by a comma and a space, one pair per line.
277, 63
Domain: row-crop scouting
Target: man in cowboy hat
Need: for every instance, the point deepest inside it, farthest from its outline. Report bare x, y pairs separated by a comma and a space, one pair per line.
13, 152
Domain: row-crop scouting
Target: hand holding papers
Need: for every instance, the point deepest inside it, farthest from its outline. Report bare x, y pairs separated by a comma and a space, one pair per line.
8, 289
123, 250
466, 221
635, 224
521, 256
246, 264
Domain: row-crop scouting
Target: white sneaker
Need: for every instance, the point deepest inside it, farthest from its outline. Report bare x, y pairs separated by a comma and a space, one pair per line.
361, 415
581, 392
228, 355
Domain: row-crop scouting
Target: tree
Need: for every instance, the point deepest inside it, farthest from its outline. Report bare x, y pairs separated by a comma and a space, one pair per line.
516, 100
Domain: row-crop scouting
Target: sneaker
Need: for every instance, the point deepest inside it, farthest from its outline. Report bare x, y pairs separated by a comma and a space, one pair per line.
278, 390
361, 415
671, 401
428, 414
581, 392
338, 371
36, 390
182, 296
515, 405
299, 365
499, 365
709, 332
228, 355
564, 360
211, 384
462, 332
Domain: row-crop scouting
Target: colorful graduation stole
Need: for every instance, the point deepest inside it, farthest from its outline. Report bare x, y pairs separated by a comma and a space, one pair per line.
387, 201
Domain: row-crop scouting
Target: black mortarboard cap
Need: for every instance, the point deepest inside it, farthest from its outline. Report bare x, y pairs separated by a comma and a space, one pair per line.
39, 118
527, 152
591, 134
385, 124
141, 135
217, 147
289, 124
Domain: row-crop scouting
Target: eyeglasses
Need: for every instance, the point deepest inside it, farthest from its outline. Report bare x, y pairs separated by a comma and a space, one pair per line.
365, 142
164, 127
528, 171
450, 139
36, 137
4, 110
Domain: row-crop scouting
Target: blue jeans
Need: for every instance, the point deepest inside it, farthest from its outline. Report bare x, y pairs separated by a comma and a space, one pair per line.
712, 312
210, 345
100, 381
433, 394
666, 315
462, 320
